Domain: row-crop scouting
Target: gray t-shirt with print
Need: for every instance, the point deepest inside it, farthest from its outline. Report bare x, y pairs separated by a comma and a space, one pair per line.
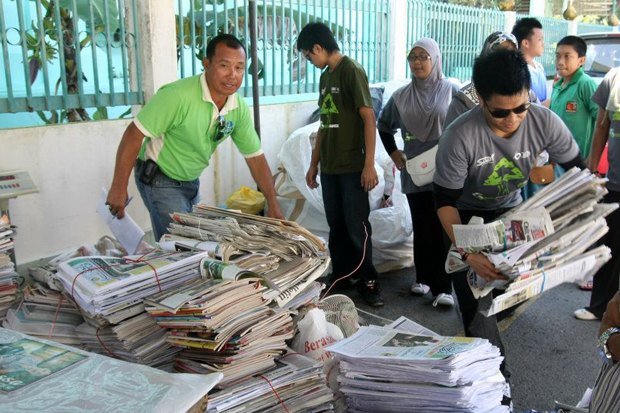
601, 97
492, 170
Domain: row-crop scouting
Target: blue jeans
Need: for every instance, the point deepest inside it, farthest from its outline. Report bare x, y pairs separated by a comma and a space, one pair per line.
164, 196
347, 209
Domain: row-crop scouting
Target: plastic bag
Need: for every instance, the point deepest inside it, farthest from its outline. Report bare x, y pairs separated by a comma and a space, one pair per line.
316, 333
246, 200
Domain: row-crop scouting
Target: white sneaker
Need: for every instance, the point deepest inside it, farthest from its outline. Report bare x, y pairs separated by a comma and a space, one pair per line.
420, 289
443, 299
583, 314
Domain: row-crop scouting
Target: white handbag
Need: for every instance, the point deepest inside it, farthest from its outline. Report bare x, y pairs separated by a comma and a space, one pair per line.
421, 168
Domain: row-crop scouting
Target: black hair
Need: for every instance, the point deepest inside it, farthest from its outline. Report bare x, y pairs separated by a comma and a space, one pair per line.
228, 39
317, 33
501, 72
523, 28
576, 43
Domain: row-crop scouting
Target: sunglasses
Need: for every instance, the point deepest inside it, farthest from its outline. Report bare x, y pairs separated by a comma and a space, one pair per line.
223, 127
504, 113
421, 58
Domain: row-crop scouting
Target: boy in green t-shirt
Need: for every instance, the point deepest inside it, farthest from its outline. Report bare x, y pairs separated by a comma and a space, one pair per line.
571, 98
345, 149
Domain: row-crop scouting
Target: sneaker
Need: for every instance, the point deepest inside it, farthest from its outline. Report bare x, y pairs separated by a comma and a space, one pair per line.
444, 299
583, 314
371, 293
420, 289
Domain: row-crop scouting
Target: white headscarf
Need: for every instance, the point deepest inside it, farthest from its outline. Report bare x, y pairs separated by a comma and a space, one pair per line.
423, 103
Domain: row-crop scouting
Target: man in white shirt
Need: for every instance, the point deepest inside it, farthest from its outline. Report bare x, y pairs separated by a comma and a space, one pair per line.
529, 34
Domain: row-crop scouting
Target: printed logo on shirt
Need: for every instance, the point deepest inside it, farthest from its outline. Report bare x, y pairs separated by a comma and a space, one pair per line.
571, 107
409, 137
503, 173
485, 160
328, 108
520, 155
335, 90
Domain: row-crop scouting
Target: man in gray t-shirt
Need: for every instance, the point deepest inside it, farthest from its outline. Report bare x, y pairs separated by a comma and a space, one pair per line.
484, 159
607, 97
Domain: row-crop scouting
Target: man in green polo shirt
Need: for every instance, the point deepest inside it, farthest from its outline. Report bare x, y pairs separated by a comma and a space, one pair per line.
571, 98
173, 137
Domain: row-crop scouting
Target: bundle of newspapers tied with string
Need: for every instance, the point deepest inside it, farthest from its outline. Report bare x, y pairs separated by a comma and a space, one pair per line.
285, 256
541, 243
109, 292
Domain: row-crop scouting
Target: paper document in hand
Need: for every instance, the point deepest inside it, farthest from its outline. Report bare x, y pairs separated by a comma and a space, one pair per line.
125, 230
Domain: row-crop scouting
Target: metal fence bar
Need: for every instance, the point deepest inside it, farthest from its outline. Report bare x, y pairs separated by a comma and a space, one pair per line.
46, 79
93, 40
24, 49
5, 57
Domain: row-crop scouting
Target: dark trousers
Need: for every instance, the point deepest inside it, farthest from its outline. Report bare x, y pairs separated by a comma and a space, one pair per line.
474, 323
347, 209
428, 244
607, 278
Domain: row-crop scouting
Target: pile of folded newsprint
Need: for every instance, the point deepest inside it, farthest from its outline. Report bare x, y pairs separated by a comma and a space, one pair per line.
224, 326
110, 292
297, 384
8, 276
541, 243
395, 369
47, 314
8, 284
287, 257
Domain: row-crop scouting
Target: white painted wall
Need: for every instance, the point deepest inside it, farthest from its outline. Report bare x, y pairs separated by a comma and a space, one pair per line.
70, 164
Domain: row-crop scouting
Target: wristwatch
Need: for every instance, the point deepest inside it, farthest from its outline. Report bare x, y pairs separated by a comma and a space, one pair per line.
602, 342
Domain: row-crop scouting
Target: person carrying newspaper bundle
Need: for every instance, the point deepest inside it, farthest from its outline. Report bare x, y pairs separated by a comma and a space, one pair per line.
483, 161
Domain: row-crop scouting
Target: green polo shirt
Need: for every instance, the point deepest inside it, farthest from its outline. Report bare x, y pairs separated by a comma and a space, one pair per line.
573, 103
181, 128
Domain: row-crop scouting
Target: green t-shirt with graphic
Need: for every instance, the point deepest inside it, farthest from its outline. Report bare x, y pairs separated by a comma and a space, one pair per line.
342, 93
491, 170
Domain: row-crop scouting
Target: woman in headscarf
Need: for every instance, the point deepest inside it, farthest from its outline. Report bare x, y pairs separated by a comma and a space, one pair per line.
419, 110
466, 98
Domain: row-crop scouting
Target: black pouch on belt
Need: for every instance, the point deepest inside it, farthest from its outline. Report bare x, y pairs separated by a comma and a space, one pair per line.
149, 170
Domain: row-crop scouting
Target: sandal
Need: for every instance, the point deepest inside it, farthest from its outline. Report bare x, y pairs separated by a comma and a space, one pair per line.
587, 286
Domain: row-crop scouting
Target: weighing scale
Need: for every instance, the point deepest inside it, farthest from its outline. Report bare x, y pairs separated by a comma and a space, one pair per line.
13, 184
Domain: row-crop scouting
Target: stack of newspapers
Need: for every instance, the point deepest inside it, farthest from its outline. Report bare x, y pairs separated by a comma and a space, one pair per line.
45, 313
110, 292
223, 325
297, 384
103, 286
137, 339
288, 258
391, 370
8, 284
541, 243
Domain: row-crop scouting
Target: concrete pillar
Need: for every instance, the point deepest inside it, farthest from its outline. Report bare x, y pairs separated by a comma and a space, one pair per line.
572, 28
156, 19
398, 47
510, 18
537, 8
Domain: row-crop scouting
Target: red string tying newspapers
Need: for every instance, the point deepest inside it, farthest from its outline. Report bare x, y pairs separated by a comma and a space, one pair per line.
276, 393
